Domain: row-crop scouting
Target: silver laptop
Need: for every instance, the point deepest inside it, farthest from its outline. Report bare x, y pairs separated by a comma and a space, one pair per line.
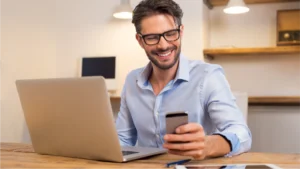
72, 117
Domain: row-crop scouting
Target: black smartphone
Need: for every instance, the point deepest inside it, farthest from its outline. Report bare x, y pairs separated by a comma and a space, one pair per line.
174, 120
228, 166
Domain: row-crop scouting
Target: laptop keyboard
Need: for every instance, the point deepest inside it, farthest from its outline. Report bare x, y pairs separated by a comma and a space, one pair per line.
128, 152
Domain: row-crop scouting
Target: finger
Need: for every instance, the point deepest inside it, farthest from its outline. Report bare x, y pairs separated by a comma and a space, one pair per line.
184, 146
185, 137
196, 154
189, 128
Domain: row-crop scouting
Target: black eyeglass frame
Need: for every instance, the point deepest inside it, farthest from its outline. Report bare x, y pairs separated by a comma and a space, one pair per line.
161, 35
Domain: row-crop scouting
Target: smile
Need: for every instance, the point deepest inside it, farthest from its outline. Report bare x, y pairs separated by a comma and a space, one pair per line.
165, 55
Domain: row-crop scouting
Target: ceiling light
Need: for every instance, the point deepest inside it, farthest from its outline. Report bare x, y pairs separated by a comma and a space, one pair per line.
236, 7
124, 10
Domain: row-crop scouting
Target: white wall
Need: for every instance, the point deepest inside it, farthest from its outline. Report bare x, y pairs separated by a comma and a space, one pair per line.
42, 39
27, 51
273, 75
257, 28
274, 129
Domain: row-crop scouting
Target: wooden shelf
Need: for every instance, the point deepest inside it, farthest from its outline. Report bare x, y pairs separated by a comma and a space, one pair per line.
225, 2
212, 53
115, 97
275, 100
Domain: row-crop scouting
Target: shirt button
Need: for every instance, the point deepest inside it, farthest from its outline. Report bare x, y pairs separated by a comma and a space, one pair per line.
156, 114
157, 135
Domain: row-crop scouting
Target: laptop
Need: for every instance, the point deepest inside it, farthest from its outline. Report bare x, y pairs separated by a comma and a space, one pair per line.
72, 117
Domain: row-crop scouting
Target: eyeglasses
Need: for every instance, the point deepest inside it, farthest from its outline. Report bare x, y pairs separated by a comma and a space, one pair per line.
170, 36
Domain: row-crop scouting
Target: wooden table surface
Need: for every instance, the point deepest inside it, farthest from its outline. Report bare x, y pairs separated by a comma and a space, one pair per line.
16, 155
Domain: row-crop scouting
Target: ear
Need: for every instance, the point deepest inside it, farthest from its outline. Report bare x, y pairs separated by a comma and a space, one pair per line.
181, 31
140, 40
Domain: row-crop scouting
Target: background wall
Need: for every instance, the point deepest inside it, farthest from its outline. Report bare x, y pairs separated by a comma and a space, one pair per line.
43, 39
28, 50
258, 75
274, 129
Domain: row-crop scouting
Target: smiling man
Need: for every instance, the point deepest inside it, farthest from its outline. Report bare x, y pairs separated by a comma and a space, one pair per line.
172, 83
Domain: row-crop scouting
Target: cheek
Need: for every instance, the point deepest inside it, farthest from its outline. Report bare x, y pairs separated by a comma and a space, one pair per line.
177, 44
149, 49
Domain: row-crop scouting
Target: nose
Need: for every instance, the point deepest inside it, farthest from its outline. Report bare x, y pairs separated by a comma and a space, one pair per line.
163, 44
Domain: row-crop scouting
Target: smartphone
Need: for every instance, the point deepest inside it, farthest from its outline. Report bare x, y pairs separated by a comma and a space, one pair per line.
229, 166
174, 120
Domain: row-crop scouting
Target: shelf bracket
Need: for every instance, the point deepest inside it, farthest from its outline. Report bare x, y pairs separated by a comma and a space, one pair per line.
208, 57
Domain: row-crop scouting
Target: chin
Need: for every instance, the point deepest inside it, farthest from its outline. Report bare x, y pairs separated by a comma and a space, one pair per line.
166, 65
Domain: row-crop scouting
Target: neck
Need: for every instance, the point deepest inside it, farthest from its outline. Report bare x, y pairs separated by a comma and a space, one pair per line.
162, 77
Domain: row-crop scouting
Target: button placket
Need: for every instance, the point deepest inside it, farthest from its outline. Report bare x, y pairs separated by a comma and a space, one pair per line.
156, 117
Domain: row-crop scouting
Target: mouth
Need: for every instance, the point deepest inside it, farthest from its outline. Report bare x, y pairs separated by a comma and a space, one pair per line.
164, 55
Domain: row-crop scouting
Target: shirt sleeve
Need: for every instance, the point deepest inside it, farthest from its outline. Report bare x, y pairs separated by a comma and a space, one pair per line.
127, 132
221, 105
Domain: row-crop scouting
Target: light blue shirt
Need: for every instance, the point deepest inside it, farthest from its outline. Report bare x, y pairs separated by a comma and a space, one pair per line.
199, 88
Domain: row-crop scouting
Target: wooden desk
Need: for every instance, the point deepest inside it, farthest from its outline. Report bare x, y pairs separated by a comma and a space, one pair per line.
14, 155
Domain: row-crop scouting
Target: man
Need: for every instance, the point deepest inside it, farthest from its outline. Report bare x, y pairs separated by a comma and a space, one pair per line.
171, 83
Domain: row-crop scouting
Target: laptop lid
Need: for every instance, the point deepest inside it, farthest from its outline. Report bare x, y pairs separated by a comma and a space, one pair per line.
70, 117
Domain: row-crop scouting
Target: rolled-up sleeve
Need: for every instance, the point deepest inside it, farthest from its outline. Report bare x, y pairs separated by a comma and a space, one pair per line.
221, 105
125, 127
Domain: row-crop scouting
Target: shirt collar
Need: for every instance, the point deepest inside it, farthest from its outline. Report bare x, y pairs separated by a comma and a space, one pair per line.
142, 79
182, 72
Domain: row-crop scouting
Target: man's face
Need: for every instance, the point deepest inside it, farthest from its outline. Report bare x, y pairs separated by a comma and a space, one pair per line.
165, 54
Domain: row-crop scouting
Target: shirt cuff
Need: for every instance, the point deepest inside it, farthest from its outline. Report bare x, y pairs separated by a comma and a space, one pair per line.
233, 141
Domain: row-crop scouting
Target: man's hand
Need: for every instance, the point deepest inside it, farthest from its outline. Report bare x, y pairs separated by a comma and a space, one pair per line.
192, 140
194, 143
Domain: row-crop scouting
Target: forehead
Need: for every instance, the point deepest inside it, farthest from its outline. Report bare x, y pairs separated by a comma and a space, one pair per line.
157, 23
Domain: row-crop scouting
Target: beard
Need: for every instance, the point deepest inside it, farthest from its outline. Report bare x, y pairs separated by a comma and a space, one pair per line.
152, 54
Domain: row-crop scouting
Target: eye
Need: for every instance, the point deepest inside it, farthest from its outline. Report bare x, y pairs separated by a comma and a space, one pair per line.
171, 33
151, 37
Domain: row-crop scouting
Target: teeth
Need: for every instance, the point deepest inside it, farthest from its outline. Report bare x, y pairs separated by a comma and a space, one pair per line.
166, 54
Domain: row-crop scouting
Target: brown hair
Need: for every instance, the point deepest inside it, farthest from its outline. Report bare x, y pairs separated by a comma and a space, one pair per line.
151, 7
